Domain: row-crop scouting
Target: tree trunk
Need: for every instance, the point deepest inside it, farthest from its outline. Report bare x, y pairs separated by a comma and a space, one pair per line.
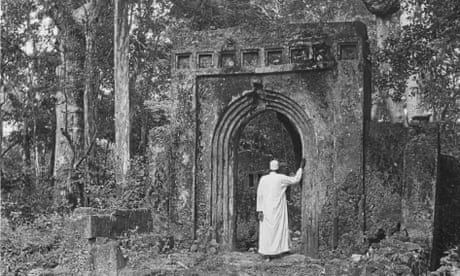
53, 149
69, 134
90, 93
122, 114
26, 156
2, 94
26, 144
36, 153
33, 85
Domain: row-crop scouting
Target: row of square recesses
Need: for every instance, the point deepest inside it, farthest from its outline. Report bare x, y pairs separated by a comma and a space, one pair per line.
251, 57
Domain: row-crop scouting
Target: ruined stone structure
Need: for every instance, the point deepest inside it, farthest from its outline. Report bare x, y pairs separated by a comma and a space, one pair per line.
315, 76
315, 79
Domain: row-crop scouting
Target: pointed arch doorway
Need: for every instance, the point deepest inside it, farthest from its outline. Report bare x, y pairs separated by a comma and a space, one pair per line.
266, 136
224, 160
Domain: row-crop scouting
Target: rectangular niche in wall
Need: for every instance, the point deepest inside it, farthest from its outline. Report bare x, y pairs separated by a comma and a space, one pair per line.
321, 52
183, 61
274, 56
300, 54
254, 178
348, 51
205, 60
251, 180
228, 60
251, 58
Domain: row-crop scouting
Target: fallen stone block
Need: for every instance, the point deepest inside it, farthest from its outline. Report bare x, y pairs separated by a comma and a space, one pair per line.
101, 223
106, 259
40, 272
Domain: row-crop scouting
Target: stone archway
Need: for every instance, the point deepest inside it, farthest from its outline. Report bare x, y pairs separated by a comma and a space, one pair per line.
236, 115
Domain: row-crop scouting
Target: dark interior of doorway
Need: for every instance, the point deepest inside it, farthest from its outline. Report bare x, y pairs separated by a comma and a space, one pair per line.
266, 136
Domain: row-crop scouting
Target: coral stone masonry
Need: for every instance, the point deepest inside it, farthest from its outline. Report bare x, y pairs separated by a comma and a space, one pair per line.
317, 76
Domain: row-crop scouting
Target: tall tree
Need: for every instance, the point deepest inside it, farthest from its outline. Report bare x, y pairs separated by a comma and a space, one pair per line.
122, 107
90, 93
88, 17
2, 102
27, 84
69, 101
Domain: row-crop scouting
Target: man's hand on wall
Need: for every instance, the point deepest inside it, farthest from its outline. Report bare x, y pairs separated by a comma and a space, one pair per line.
260, 216
302, 163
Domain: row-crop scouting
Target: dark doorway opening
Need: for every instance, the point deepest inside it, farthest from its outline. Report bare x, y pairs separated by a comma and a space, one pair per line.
266, 136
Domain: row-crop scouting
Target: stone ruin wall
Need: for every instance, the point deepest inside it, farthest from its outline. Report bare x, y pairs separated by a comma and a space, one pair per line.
392, 160
401, 162
330, 89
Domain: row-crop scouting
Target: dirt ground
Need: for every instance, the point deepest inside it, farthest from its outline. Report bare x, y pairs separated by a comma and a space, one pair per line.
227, 263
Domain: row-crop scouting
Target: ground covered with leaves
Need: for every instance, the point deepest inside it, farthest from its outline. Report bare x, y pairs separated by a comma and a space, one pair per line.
50, 244
46, 242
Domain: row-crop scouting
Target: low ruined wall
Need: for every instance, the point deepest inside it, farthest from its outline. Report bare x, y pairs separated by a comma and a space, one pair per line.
400, 178
401, 171
101, 228
419, 182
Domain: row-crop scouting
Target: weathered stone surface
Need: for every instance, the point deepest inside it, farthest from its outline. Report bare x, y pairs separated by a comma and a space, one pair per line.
103, 223
320, 89
250, 260
89, 211
230, 263
240, 259
382, 8
385, 169
160, 170
40, 272
400, 179
420, 173
392, 258
327, 98
106, 259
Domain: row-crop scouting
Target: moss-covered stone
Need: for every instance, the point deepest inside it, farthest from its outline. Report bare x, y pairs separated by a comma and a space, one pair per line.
316, 75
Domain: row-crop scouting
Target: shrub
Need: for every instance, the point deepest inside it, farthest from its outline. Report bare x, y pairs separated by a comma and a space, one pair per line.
450, 264
47, 241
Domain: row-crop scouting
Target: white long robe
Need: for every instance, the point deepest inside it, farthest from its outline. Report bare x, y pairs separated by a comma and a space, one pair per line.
271, 200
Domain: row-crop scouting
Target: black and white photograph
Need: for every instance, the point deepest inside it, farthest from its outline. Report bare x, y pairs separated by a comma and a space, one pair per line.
230, 137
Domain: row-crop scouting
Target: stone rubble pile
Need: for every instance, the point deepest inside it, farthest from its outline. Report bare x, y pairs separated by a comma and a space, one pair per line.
390, 257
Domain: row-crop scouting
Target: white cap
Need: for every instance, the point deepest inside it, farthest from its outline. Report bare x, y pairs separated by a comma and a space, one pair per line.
274, 165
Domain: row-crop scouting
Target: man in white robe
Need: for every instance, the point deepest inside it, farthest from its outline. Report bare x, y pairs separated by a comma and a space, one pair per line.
272, 210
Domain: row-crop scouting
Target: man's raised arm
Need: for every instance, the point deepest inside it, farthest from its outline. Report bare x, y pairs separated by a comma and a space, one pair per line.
289, 180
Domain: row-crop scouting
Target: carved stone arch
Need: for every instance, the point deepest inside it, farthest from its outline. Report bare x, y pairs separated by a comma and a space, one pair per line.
237, 114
